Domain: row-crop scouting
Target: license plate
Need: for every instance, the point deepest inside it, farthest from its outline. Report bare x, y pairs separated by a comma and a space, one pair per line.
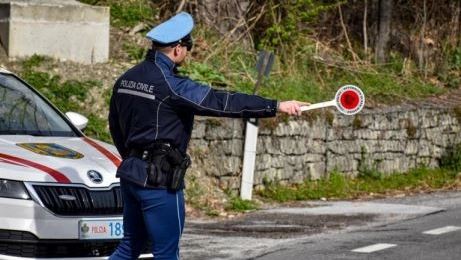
100, 229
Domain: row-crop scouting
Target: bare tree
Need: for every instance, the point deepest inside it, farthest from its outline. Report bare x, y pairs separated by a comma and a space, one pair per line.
226, 17
384, 25
456, 21
364, 28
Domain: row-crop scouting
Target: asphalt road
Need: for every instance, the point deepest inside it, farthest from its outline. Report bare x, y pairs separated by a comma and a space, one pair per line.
417, 227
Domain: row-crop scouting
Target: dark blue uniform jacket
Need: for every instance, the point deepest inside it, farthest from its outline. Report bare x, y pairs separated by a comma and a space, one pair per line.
151, 102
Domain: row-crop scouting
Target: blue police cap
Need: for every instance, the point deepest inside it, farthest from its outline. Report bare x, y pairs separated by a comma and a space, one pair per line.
172, 30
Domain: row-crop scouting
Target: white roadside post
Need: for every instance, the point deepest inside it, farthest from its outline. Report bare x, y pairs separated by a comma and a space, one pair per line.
263, 66
249, 158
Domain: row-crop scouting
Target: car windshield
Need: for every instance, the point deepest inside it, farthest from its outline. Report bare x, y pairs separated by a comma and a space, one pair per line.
23, 112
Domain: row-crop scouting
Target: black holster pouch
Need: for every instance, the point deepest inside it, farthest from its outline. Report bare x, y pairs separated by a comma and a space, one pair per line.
154, 175
179, 165
177, 175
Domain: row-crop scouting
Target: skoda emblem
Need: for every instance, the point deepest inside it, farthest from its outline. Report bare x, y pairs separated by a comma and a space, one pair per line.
94, 176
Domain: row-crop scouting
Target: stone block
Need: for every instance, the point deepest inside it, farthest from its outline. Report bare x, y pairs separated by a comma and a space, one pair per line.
66, 30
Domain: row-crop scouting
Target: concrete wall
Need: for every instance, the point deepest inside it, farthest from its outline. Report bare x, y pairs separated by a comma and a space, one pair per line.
386, 140
62, 29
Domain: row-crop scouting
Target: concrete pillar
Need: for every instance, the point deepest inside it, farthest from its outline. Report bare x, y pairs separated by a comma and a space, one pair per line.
62, 29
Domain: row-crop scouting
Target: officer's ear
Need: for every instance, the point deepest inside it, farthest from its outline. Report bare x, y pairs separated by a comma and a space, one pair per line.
177, 50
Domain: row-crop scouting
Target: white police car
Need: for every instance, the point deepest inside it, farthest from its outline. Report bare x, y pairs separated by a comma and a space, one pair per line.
59, 197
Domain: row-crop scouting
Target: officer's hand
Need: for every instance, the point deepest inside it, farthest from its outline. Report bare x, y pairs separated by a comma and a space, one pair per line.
292, 108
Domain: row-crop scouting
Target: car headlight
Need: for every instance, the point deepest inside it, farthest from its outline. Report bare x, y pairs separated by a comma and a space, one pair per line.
13, 189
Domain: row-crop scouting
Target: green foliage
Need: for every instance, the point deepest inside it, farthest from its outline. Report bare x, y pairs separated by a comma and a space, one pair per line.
241, 205
315, 81
135, 53
455, 58
67, 96
338, 186
33, 62
451, 159
452, 76
276, 191
205, 74
126, 12
284, 19
367, 171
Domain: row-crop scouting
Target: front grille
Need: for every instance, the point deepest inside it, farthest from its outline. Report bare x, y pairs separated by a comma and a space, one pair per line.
25, 244
86, 203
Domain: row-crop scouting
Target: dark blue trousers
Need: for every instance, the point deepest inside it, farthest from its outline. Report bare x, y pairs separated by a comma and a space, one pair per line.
155, 214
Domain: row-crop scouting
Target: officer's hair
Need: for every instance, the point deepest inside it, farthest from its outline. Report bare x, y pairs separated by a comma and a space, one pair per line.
161, 48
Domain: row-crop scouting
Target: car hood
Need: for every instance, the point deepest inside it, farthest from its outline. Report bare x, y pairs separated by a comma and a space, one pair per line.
77, 160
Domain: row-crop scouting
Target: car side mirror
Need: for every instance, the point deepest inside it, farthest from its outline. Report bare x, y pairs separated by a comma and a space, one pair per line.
78, 120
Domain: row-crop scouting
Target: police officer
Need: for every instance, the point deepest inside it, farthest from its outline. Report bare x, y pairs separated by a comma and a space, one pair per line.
151, 117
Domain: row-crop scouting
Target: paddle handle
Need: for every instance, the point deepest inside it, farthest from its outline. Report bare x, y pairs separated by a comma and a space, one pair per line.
319, 105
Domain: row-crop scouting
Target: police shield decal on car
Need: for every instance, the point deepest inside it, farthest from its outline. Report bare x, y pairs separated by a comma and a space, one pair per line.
51, 150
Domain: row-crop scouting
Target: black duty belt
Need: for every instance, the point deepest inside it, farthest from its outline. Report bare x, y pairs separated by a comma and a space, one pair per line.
165, 166
148, 154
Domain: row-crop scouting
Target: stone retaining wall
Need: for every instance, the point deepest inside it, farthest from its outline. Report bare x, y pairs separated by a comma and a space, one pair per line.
290, 150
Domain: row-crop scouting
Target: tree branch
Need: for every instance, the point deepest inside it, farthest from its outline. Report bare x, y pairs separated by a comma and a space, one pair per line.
354, 55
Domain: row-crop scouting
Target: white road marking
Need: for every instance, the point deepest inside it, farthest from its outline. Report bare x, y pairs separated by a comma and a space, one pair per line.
373, 248
443, 230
